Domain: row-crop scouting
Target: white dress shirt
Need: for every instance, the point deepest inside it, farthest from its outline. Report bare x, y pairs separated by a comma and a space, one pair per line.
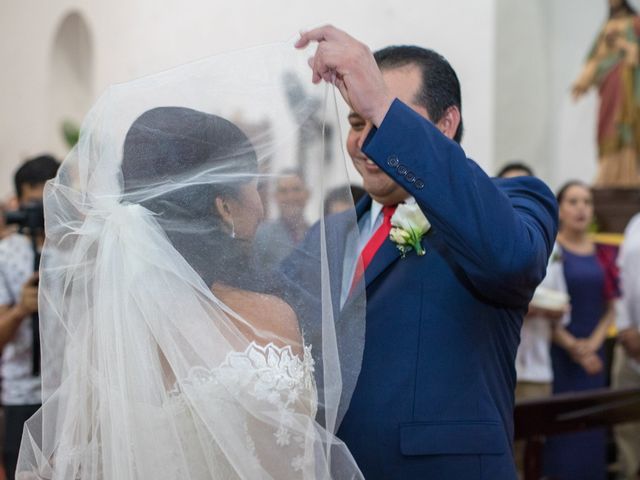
368, 223
533, 360
628, 305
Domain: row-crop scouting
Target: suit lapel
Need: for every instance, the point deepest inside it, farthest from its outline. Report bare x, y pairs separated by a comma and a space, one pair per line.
337, 237
384, 257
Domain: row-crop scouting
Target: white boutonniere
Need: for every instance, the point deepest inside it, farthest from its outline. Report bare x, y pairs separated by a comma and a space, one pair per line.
409, 225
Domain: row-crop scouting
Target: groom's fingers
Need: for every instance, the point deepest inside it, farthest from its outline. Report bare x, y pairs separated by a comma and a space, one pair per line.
328, 61
311, 61
317, 67
326, 32
341, 57
329, 76
336, 50
339, 82
321, 66
325, 63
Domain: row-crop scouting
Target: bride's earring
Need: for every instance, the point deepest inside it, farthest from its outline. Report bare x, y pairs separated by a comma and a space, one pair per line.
225, 216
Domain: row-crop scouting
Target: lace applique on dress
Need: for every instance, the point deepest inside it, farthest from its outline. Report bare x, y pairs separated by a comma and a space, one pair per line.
267, 379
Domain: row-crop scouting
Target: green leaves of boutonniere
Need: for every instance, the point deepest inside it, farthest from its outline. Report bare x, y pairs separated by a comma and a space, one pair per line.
409, 225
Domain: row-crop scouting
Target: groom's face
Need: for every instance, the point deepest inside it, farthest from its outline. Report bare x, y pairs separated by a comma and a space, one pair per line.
403, 83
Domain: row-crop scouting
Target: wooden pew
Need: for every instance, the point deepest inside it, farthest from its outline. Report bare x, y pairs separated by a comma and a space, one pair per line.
538, 418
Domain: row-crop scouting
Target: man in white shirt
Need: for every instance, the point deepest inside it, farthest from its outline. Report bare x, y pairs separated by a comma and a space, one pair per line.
21, 383
626, 367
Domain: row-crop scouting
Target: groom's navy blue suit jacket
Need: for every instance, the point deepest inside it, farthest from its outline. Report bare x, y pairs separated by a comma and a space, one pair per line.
434, 398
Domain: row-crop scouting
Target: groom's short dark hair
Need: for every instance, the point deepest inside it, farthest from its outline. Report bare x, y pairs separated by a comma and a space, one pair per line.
440, 85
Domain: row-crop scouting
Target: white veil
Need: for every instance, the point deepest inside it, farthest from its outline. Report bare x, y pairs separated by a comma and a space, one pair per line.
168, 351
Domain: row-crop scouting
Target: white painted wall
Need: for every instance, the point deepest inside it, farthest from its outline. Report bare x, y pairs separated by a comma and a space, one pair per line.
574, 26
541, 46
131, 38
522, 81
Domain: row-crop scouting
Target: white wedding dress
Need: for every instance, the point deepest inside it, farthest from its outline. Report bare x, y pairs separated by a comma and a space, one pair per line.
278, 378
147, 373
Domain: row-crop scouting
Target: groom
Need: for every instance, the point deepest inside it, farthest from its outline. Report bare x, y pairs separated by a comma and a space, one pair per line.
434, 398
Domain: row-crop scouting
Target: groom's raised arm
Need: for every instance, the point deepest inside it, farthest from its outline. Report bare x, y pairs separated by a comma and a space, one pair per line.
500, 232
497, 234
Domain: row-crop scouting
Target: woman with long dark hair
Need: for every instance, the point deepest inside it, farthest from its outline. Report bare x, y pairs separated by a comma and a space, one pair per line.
577, 352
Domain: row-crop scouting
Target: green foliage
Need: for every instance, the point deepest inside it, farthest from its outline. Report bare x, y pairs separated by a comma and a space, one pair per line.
71, 133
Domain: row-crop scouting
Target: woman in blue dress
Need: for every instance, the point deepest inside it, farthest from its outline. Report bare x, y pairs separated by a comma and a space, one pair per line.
577, 352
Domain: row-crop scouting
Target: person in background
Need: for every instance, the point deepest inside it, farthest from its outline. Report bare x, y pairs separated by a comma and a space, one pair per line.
626, 364
21, 391
276, 238
577, 354
6, 206
515, 169
533, 360
336, 200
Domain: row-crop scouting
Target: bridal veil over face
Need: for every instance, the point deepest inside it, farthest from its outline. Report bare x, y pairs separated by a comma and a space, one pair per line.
170, 350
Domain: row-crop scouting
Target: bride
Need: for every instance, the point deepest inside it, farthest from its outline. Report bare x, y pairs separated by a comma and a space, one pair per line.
169, 353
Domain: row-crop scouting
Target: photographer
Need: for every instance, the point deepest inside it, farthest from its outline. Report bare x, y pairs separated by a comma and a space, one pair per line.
21, 385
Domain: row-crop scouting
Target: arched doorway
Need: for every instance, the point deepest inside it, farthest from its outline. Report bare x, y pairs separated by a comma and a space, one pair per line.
71, 78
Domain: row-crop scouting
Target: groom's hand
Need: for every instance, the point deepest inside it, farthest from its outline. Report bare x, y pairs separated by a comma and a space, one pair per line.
349, 64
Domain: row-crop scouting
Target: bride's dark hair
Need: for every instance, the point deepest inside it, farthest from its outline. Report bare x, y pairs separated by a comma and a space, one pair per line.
176, 162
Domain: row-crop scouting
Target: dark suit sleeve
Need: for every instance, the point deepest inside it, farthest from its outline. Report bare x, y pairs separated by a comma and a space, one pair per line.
500, 233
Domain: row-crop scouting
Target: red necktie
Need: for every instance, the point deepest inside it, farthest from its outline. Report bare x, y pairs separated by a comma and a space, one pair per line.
374, 243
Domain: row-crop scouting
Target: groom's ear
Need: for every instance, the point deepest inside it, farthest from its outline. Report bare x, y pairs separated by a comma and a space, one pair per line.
448, 123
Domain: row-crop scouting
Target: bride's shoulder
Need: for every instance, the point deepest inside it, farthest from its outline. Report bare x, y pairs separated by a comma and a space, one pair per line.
273, 306
276, 315
265, 313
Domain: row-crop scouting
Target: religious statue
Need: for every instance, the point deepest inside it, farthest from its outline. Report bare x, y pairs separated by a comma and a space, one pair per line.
613, 66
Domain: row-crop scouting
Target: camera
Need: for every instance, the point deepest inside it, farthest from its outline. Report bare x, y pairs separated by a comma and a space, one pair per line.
29, 218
